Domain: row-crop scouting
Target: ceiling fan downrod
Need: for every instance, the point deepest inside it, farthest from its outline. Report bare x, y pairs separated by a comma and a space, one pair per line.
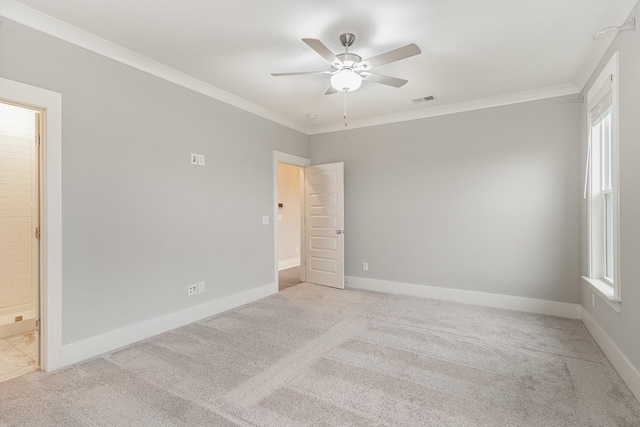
348, 59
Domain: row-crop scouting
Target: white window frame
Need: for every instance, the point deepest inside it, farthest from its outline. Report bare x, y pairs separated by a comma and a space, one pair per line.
607, 288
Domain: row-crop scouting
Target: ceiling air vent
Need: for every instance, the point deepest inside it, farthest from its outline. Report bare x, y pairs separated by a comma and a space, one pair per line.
424, 99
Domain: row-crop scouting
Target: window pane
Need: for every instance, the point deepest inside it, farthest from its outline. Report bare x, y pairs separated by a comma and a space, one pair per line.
608, 235
606, 145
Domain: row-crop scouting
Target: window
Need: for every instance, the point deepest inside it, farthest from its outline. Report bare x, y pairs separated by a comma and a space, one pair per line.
601, 186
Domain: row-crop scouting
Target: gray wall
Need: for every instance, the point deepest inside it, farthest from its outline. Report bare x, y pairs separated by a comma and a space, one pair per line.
623, 328
486, 200
139, 222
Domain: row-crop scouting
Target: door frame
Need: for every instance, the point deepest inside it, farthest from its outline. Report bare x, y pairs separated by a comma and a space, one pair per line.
302, 162
50, 103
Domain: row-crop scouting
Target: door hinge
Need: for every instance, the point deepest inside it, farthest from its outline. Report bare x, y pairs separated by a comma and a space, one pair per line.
38, 325
37, 232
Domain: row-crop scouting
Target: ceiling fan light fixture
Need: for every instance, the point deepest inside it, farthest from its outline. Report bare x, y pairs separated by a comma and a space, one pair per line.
346, 80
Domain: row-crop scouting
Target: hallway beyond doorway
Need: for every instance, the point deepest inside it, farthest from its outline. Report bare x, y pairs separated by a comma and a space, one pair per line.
288, 277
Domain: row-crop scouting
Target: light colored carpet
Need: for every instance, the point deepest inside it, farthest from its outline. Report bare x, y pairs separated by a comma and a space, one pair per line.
314, 356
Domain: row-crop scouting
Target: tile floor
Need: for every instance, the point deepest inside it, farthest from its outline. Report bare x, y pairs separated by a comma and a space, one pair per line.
18, 355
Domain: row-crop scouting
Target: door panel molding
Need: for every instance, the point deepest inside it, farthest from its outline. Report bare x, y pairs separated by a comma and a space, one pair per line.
324, 224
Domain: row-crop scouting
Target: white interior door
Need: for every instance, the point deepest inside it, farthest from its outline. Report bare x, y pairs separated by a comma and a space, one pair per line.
324, 224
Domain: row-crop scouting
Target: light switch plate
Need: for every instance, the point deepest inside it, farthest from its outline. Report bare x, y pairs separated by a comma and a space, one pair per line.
265, 220
200, 159
194, 159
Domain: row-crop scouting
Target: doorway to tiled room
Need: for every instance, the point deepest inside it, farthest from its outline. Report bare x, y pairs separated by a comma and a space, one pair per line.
19, 240
290, 209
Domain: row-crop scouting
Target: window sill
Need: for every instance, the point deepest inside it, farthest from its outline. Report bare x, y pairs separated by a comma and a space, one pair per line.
604, 292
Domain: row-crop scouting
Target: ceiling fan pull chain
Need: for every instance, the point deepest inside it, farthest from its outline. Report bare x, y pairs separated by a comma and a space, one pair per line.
345, 108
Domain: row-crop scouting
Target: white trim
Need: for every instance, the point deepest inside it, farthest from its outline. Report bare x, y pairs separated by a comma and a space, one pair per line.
290, 159
622, 365
288, 263
604, 291
508, 302
609, 76
476, 104
15, 309
99, 344
59, 29
15, 328
611, 69
51, 214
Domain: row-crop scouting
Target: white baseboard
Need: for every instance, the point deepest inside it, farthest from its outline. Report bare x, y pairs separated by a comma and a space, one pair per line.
530, 305
9, 314
288, 263
94, 346
16, 328
622, 365
16, 309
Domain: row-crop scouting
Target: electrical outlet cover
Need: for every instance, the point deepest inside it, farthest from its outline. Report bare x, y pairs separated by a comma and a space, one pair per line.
200, 287
200, 159
192, 290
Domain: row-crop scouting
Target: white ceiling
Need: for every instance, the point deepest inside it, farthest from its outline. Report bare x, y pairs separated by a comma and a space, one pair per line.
472, 50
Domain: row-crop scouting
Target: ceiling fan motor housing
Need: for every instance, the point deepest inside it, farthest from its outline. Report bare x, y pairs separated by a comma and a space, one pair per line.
347, 39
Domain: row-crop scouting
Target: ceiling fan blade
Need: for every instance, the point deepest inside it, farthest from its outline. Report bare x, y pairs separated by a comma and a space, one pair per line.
330, 91
391, 56
300, 73
385, 80
323, 51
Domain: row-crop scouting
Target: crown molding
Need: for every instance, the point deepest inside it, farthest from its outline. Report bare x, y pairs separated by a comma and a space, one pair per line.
54, 27
476, 104
37, 20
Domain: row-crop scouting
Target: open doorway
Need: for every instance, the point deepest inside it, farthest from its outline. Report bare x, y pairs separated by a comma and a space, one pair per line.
49, 104
286, 260
289, 218
324, 224
321, 214
19, 240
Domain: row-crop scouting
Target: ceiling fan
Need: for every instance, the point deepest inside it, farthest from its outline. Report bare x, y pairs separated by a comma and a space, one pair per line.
348, 69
